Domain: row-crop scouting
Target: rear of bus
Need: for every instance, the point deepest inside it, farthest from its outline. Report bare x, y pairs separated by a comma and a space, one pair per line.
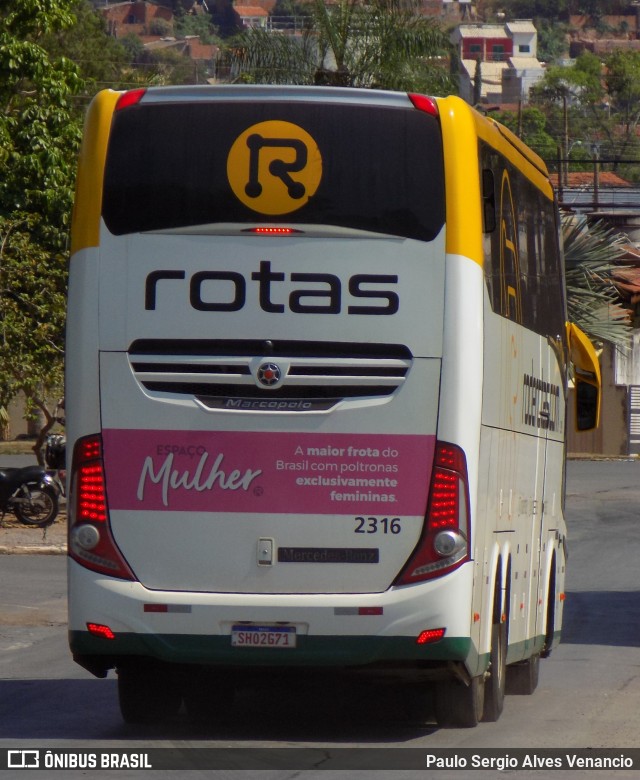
255, 355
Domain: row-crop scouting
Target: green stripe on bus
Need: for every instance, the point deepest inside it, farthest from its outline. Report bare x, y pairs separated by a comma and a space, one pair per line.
310, 651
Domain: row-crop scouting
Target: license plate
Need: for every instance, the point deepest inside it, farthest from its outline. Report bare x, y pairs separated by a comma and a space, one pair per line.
263, 636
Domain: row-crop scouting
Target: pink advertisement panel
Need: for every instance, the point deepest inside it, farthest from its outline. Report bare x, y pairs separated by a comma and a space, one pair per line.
285, 473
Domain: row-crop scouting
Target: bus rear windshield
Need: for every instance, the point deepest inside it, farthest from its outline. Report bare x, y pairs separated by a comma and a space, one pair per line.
173, 165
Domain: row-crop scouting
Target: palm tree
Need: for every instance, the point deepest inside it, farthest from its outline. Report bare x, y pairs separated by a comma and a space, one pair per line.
384, 44
593, 302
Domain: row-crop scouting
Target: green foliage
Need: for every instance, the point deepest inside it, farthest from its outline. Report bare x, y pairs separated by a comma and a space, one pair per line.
290, 8
546, 10
40, 135
385, 44
552, 39
593, 303
196, 24
531, 126
101, 59
565, 85
599, 102
165, 66
160, 27
622, 80
133, 47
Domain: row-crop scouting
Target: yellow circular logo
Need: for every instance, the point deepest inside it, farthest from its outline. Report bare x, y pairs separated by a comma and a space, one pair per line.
274, 167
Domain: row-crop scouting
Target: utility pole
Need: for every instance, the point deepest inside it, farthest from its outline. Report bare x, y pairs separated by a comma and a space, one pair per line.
565, 137
520, 118
560, 190
596, 175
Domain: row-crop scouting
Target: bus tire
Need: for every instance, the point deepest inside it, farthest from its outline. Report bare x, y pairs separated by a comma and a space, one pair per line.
522, 678
494, 687
551, 612
459, 705
146, 695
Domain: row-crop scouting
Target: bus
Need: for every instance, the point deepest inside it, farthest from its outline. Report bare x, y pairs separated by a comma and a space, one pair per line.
317, 370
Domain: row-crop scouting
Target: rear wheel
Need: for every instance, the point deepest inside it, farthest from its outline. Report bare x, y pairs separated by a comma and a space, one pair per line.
522, 678
146, 695
551, 612
495, 685
41, 510
459, 705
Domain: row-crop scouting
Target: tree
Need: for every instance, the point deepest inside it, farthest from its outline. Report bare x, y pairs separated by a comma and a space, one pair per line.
39, 139
620, 111
477, 83
596, 103
290, 9
385, 44
195, 24
101, 59
569, 86
530, 125
564, 92
593, 302
527, 9
552, 39
166, 66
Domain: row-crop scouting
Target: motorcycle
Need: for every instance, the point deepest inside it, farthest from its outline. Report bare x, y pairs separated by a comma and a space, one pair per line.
55, 456
30, 493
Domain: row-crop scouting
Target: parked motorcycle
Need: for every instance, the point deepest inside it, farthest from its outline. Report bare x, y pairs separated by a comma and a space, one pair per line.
55, 456
30, 493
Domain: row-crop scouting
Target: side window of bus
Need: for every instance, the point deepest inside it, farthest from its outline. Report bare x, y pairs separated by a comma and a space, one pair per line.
502, 263
520, 246
488, 201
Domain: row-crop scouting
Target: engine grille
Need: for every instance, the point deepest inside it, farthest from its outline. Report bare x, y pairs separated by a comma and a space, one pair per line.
215, 371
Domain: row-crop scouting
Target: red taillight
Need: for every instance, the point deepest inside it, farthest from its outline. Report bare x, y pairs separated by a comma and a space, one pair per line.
446, 494
130, 98
90, 540
430, 635
272, 231
92, 500
90, 496
444, 544
424, 103
97, 629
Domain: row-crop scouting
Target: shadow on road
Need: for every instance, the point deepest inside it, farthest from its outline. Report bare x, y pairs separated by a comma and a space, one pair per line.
602, 618
89, 711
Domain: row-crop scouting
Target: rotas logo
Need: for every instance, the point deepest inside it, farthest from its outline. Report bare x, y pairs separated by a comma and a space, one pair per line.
274, 167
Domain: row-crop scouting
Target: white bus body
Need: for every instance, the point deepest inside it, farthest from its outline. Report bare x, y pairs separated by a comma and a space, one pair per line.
317, 436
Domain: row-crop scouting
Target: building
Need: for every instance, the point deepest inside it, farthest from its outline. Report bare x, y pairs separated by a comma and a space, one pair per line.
135, 18
502, 57
153, 25
252, 16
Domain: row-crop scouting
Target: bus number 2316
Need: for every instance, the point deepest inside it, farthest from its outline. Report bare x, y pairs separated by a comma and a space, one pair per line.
374, 525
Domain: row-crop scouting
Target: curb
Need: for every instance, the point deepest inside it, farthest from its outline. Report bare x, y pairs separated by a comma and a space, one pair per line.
35, 549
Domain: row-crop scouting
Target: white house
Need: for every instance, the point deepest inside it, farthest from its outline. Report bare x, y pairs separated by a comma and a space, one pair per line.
507, 57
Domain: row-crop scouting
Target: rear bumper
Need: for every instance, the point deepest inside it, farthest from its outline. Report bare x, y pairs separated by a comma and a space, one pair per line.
377, 655
333, 630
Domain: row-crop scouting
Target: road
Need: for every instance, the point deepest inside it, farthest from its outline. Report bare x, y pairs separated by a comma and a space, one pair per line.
589, 692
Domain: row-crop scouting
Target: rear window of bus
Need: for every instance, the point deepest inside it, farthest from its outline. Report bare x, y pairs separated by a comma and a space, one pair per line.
381, 168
